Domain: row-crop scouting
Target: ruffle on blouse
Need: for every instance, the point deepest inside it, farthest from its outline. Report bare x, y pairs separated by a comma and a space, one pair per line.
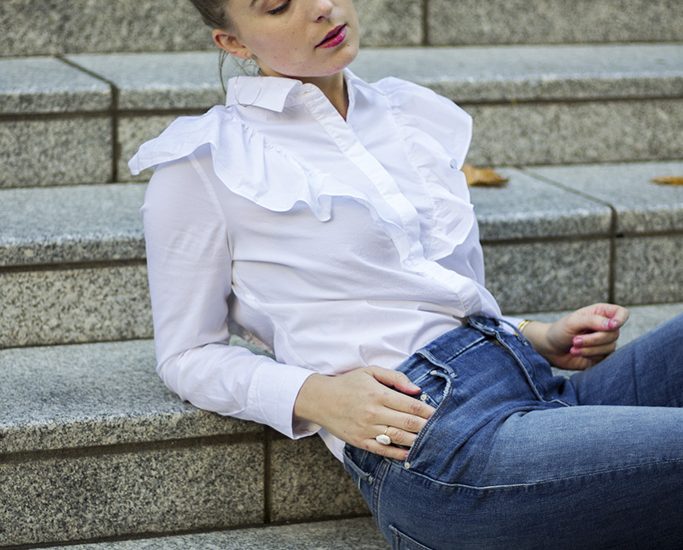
437, 134
243, 161
239, 161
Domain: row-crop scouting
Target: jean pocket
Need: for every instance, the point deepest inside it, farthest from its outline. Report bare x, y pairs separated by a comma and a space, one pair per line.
401, 541
354, 464
436, 382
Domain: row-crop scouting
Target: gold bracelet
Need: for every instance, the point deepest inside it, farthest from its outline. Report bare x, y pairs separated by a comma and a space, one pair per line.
522, 325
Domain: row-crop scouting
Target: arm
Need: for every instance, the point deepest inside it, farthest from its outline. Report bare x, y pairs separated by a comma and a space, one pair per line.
189, 270
581, 339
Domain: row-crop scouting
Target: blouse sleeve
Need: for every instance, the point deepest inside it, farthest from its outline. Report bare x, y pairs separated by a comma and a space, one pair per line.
189, 271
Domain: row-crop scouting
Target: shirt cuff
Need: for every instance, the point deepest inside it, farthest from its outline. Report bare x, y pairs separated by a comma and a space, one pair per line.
275, 387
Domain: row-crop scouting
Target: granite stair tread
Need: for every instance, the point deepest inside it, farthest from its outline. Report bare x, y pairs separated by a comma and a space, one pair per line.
71, 224
91, 395
640, 204
42, 85
343, 534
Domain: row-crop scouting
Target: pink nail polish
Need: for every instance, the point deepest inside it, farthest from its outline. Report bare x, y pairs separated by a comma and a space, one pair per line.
578, 341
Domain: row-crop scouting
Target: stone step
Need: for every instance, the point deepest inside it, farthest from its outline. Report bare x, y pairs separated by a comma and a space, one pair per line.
477, 22
76, 26
56, 124
343, 534
72, 258
94, 447
532, 104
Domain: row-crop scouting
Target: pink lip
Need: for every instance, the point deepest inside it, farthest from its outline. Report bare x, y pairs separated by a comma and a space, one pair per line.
334, 37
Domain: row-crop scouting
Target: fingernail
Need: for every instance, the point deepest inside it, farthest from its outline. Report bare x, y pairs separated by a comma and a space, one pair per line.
612, 323
414, 387
578, 341
575, 351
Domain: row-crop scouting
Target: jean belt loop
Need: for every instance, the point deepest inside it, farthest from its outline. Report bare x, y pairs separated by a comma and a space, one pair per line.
482, 324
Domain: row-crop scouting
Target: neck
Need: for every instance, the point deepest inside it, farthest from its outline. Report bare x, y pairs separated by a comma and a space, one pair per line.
334, 88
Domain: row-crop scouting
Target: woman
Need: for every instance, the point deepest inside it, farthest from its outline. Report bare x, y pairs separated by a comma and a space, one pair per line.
329, 217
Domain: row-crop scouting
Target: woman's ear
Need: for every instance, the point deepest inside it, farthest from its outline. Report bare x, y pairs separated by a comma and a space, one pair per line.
231, 43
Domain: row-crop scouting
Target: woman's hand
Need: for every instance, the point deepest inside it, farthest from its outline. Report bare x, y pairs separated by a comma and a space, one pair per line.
358, 405
581, 339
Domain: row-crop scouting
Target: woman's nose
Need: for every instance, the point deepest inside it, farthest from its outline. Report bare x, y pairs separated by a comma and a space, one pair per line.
323, 10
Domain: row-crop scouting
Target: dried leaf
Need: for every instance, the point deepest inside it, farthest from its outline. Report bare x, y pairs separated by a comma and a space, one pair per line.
484, 177
669, 180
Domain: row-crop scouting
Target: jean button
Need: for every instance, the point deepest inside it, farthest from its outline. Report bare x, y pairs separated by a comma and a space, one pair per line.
424, 397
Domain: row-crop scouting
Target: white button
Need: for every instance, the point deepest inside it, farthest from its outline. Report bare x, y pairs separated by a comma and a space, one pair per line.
406, 465
423, 397
454, 164
433, 372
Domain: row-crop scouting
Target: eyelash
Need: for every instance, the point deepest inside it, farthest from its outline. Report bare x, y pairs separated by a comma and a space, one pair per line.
280, 9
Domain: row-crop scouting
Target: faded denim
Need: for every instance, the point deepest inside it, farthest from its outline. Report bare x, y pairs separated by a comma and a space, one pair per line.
515, 457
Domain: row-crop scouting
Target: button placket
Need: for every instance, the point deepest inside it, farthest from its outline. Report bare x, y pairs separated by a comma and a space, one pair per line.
394, 203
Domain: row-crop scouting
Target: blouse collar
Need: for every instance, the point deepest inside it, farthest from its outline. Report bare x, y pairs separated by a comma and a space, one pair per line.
270, 92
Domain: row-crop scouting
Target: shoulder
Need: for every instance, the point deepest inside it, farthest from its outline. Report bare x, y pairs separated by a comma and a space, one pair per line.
426, 112
417, 99
393, 86
183, 136
179, 185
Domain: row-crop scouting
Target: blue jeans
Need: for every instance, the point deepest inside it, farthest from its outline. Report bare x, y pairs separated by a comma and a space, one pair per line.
515, 457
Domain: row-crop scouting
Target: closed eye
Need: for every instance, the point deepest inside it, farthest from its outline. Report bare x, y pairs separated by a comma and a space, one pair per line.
280, 9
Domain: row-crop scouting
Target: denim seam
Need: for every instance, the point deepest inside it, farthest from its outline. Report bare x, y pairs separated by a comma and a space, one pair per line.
380, 476
537, 390
552, 481
519, 361
427, 354
399, 536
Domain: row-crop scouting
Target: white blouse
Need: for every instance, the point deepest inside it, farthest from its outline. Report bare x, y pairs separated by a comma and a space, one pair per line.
339, 243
